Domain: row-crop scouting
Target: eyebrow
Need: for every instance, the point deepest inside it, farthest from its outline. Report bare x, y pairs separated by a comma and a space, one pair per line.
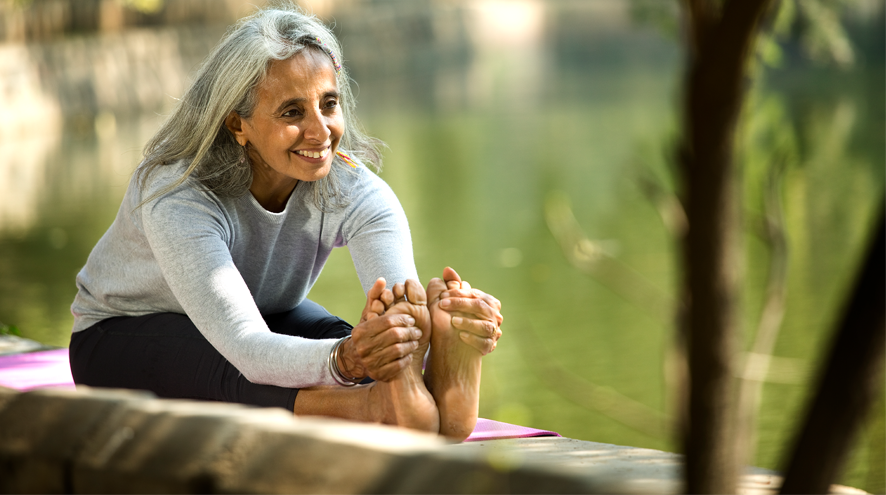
293, 101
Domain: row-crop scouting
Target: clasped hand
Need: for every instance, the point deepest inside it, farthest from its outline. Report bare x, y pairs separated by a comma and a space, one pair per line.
381, 345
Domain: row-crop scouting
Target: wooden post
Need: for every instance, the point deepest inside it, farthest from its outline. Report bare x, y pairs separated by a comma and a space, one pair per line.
721, 40
851, 380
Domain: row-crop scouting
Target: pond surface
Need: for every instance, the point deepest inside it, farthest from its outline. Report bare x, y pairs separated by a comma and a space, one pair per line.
486, 134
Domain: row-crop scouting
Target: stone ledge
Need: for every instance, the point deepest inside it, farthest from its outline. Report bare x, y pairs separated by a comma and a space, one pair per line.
103, 441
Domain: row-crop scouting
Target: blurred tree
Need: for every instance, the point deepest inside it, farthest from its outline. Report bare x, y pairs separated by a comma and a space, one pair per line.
720, 37
850, 381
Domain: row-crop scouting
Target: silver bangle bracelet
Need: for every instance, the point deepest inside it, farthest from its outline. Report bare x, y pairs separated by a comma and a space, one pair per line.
332, 363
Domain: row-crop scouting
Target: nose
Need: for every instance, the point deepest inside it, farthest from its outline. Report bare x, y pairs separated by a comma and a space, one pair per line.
315, 127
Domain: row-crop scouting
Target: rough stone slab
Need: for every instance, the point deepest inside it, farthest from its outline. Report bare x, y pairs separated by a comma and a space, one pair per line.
112, 441
41, 431
612, 468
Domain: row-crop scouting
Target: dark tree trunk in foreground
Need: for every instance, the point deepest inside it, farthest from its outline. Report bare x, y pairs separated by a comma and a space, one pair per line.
851, 380
721, 41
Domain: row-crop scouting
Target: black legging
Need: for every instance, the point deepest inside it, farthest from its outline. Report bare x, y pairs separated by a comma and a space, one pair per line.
166, 354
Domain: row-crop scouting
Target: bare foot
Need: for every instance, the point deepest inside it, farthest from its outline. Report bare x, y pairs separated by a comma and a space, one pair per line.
452, 373
405, 400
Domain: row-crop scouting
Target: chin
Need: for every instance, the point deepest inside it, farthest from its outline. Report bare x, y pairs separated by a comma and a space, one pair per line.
317, 174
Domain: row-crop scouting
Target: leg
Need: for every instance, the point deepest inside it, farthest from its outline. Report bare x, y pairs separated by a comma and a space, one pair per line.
165, 354
453, 370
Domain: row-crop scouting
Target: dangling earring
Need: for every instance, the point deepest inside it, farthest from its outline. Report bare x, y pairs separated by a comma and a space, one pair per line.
243, 156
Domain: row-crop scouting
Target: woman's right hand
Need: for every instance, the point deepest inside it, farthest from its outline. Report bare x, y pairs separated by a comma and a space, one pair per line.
380, 348
380, 345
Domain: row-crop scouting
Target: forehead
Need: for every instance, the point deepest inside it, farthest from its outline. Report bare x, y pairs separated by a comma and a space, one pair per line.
305, 74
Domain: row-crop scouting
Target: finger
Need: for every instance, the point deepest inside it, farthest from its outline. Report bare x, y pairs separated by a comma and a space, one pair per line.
370, 329
490, 300
371, 309
376, 308
484, 346
377, 288
475, 307
390, 371
375, 351
451, 277
480, 328
381, 357
415, 293
465, 286
458, 292
477, 293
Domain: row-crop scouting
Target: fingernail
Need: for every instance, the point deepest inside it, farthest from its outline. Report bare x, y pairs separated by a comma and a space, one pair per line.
417, 333
410, 321
444, 303
457, 320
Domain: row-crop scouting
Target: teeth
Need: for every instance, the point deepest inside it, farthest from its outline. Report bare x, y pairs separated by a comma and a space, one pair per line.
314, 154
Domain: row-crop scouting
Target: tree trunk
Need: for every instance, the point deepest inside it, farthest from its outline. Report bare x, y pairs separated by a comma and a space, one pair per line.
850, 383
720, 44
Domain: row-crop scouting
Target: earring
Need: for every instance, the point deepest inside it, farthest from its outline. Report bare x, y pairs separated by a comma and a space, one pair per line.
243, 154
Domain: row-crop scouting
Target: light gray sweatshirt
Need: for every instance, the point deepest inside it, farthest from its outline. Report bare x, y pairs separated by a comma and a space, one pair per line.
226, 261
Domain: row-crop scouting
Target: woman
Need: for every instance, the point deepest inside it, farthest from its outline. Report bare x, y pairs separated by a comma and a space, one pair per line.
197, 290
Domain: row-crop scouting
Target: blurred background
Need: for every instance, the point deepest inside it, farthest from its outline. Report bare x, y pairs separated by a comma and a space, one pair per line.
531, 144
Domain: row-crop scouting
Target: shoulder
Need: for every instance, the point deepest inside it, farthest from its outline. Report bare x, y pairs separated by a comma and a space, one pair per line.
164, 199
164, 184
365, 189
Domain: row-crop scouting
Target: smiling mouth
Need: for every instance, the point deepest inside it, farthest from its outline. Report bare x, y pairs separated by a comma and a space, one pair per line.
313, 154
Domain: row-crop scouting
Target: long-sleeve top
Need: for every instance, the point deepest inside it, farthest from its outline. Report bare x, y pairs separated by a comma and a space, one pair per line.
224, 262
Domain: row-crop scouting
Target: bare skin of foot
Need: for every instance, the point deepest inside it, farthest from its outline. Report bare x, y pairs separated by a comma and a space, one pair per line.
410, 299
452, 373
401, 400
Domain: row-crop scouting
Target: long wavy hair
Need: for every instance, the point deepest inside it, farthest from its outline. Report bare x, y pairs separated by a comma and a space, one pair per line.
226, 82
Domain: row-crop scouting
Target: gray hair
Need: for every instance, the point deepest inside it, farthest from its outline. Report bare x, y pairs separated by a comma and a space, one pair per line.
227, 82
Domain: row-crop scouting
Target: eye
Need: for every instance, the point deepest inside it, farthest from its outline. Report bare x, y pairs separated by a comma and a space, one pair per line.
292, 112
331, 103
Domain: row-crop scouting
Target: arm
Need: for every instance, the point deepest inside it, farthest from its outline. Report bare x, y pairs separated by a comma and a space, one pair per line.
188, 234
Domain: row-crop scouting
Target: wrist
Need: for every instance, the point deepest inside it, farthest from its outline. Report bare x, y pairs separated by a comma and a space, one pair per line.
347, 363
335, 365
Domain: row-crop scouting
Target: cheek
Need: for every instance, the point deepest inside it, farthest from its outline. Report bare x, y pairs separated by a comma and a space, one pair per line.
338, 127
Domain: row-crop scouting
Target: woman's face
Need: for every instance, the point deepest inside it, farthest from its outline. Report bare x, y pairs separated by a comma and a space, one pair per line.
297, 124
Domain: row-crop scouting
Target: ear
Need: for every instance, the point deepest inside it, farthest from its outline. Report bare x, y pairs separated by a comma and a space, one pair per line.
234, 123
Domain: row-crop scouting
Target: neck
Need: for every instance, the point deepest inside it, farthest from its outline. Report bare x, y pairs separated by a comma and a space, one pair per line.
272, 195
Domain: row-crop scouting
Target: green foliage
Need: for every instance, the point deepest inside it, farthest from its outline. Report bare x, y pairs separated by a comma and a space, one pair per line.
144, 6
9, 330
664, 16
815, 25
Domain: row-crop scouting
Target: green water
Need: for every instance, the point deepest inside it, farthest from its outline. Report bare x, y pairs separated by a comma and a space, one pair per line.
480, 136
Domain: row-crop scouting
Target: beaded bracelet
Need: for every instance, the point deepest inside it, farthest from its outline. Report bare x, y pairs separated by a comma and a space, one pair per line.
332, 362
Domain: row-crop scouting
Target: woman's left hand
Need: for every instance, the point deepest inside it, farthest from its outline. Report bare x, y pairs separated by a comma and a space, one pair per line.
476, 314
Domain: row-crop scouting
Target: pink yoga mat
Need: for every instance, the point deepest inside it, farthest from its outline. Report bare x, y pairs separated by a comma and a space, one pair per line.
36, 369
52, 369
